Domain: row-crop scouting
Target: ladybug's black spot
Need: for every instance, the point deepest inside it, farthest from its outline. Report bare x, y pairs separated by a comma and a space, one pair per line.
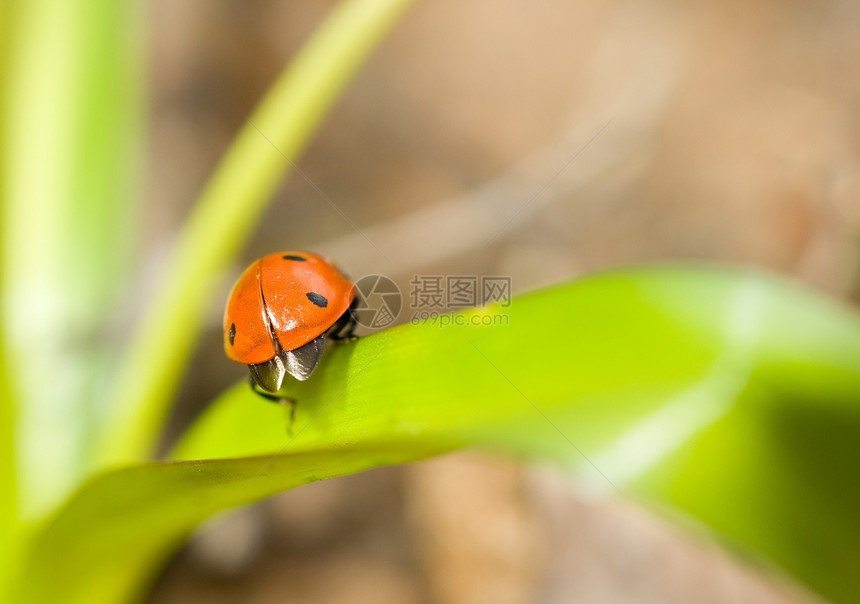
294, 257
317, 299
232, 333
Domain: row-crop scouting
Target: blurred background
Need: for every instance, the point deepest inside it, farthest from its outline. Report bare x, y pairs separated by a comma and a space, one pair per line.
539, 141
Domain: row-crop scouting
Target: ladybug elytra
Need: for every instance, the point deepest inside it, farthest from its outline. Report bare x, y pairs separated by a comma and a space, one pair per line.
279, 313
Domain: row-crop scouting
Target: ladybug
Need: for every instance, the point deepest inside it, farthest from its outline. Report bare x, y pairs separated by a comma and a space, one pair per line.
279, 313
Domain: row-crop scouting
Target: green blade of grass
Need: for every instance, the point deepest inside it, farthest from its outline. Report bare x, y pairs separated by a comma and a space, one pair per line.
9, 509
727, 396
8, 441
226, 214
70, 131
9, 516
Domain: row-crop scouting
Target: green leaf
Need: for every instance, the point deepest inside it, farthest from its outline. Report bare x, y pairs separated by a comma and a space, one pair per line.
727, 396
122, 524
226, 214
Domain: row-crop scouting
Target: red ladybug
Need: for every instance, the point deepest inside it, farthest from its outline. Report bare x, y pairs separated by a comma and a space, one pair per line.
279, 313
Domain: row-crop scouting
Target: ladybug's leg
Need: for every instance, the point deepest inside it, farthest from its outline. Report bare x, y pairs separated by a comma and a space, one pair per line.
343, 329
280, 400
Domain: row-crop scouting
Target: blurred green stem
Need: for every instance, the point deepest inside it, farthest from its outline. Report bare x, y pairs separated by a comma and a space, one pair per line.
225, 216
70, 134
8, 480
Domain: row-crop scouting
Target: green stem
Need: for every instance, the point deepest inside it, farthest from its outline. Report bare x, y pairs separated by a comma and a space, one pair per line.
8, 441
226, 214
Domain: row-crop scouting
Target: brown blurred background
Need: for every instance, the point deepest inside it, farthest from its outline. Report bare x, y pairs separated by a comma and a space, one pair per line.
537, 140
